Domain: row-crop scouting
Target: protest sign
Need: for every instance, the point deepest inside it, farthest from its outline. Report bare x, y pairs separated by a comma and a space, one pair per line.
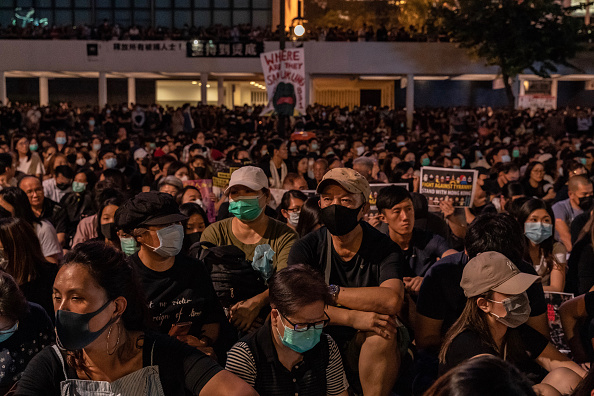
554, 301
284, 74
205, 188
375, 188
455, 185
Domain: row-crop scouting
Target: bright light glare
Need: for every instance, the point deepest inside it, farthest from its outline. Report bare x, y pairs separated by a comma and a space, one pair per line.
299, 30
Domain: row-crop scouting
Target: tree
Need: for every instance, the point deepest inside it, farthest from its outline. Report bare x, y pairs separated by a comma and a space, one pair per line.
515, 35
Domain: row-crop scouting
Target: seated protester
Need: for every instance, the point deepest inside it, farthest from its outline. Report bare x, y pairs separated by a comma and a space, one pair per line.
421, 249
77, 204
290, 354
548, 257
580, 200
15, 201
441, 299
571, 168
290, 206
251, 227
87, 228
193, 194
25, 329
106, 227
362, 266
494, 322
274, 166
34, 275
504, 173
426, 220
509, 193
485, 375
580, 271
309, 217
534, 183
195, 225
43, 208
59, 185
178, 289
294, 181
170, 185
115, 179
103, 345
29, 162
8, 171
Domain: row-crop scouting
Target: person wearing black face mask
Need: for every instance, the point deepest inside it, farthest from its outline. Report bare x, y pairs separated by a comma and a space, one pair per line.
195, 225
362, 266
580, 200
55, 188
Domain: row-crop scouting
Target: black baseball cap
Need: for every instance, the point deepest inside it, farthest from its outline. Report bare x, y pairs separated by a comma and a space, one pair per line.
148, 209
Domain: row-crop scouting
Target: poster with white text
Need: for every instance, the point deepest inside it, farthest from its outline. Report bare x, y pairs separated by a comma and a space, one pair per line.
445, 184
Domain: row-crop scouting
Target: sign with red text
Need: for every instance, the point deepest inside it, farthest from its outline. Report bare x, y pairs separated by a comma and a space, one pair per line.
445, 184
284, 74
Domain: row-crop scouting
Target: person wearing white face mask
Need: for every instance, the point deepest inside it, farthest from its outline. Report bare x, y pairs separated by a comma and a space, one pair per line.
290, 207
181, 298
493, 322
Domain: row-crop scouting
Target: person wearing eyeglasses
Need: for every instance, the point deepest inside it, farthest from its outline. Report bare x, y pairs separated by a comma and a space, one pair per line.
290, 354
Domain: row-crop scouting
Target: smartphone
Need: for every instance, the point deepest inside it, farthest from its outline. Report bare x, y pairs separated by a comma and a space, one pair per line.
180, 329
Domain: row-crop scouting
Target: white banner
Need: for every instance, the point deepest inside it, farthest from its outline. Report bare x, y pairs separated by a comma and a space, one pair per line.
546, 102
284, 74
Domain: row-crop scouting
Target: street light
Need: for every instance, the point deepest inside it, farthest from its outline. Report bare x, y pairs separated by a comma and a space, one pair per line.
299, 30
297, 23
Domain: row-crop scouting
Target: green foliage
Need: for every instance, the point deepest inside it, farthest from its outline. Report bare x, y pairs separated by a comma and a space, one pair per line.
516, 35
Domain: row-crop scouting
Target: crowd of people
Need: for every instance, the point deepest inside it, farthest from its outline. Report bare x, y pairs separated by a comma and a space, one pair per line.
239, 33
194, 250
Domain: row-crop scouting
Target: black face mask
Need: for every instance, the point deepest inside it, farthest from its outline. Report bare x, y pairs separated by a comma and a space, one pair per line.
586, 203
63, 186
190, 239
200, 172
340, 220
109, 231
72, 329
71, 158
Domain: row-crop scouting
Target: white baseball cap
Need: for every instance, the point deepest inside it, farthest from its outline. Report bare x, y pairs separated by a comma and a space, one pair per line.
250, 177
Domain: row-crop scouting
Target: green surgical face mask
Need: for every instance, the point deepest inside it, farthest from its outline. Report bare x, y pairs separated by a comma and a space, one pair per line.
129, 246
78, 187
245, 208
425, 162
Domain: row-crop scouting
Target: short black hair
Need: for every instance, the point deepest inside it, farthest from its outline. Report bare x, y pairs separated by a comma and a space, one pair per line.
390, 196
65, 171
5, 162
496, 232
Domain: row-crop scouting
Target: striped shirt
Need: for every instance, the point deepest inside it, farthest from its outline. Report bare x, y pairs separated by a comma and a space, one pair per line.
241, 362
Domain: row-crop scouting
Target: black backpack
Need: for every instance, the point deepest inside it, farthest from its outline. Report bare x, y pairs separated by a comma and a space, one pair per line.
232, 275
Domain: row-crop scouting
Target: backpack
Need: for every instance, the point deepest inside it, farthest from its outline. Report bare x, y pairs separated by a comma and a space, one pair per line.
232, 276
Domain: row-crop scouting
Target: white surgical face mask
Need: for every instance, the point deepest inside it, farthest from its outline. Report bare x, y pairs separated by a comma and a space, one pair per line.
293, 218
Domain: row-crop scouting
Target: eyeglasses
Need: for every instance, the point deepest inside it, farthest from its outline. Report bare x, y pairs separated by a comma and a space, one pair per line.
300, 327
294, 210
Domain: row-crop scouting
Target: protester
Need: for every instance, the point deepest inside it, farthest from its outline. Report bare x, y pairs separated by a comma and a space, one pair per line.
580, 200
290, 354
493, 322
290, 207
25, 329
96, 282
362, 266
181, 298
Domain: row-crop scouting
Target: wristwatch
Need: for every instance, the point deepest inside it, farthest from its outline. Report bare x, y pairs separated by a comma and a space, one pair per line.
334, 290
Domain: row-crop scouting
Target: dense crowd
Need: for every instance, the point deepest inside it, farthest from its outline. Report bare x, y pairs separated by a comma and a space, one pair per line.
193, 250
238, 33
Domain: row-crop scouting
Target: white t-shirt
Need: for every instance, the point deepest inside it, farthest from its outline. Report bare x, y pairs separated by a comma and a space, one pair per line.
48, 239
24, 164
51, 190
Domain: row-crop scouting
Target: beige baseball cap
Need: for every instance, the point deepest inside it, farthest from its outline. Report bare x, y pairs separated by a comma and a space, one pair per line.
248, 176
494, 271
347, 178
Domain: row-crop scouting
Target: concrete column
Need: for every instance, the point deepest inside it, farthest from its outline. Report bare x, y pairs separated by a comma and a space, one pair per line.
131, 90
3, 97
203, 89
220, 91
410, 100
102, 89
43, 91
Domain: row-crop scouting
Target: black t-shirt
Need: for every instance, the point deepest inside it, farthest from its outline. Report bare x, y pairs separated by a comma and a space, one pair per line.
578, 223
580, 273
377, 260
40, 289
442, 298
183, 293
424, 250
469, 344
35, 331
183, 370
